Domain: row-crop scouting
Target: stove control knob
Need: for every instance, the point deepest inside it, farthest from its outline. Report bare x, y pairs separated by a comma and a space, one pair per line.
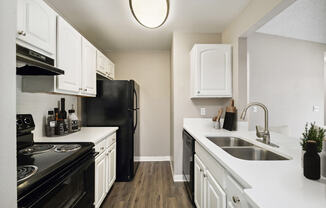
27, 120
19, 122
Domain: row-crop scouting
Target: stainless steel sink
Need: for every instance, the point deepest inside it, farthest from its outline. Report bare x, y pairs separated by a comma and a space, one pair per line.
253, 153
229, 141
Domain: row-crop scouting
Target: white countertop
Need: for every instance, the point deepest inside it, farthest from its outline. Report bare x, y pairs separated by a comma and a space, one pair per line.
270, 184
86, 134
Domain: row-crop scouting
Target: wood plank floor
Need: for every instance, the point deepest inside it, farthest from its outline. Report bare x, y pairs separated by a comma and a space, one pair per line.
152, 187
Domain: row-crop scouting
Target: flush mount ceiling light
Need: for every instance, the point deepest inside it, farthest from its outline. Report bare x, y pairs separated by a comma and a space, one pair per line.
150, 13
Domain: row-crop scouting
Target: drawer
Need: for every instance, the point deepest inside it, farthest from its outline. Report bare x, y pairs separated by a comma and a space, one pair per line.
100, 147
111, 139
234, 192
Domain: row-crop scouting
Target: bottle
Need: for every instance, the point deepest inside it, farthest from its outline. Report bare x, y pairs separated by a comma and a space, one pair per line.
73, 120
59, 129
50, 124
323, 159
56, 113
311, 161
63, 114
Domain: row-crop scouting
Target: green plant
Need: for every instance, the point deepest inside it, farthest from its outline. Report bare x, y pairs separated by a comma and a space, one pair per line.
313, 133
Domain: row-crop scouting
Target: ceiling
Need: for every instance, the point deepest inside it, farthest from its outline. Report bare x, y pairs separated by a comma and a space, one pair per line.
109, 24
304, 20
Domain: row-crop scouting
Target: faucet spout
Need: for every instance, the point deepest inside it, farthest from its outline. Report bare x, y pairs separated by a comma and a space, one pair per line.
265, 134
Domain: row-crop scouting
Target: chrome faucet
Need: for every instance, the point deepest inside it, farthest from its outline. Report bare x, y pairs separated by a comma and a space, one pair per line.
260, 134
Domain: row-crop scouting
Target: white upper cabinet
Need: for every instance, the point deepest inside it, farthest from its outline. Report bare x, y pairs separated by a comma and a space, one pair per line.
211, 75
36, 26
104, 66
69, 57
88, 68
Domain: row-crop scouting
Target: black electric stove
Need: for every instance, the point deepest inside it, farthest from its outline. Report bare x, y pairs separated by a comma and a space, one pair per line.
52, 174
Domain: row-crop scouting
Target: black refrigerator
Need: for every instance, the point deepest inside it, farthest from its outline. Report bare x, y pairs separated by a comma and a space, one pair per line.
117, 104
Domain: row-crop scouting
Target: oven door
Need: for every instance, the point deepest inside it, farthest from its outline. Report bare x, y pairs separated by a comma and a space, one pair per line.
72, 189
188, 163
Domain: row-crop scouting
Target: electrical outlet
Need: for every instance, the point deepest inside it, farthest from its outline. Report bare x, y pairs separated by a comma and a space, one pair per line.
315, 108
202, 111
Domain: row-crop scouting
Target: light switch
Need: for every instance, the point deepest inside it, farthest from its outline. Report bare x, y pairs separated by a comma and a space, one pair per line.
315, 108
202, 111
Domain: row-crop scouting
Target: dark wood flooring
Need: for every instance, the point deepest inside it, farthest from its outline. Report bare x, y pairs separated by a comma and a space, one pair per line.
152, 187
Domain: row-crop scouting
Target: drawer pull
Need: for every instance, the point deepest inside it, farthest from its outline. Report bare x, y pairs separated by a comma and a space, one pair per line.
235, 199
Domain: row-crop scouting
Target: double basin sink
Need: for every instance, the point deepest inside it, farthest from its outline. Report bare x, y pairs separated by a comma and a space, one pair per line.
242, 149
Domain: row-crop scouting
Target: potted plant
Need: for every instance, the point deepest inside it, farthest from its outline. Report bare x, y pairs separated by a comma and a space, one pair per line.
313, 133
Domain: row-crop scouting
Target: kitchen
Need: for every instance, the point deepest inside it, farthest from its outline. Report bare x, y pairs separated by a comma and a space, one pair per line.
259, 45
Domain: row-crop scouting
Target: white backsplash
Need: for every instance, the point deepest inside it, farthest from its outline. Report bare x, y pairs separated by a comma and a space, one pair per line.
38, 104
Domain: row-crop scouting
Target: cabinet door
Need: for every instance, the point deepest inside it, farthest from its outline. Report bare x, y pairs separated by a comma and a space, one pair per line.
215, 196
111, 69
36, 24
88, 68
112, 172
100, 63
212, 70
69, 57
199, 183
100, 177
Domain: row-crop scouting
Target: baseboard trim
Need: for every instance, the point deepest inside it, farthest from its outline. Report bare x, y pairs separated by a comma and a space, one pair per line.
152, 158
178, 178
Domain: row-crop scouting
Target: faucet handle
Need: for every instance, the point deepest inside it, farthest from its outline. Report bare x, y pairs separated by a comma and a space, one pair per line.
259, 133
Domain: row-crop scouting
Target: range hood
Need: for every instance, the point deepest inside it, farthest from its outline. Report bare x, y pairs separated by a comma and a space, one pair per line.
30, 62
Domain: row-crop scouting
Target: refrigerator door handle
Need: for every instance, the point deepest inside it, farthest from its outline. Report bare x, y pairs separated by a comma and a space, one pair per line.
136, 109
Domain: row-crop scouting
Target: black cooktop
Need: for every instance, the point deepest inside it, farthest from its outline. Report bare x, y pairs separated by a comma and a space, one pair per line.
39, 166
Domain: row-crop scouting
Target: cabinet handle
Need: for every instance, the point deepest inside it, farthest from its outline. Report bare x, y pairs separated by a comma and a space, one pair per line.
235, 199
205, 175
80, 88
85, 90
200, 170
21, 32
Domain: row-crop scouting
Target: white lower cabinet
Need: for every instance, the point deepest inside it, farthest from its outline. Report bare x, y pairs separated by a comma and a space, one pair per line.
105, 168
215, 195
111, 166
199, 183
100, 178
208, 193
215, 187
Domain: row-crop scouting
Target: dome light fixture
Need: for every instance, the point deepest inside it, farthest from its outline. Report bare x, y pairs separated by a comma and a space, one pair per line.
150, 13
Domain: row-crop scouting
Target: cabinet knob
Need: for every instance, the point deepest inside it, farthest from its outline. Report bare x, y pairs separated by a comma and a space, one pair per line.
200, 170
102, 148
205, 175
85, 90
198, 92
21, 32
235, 199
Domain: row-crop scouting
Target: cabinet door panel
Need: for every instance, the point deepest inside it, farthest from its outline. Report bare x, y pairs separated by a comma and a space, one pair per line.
211, 70
36, 24
88, 68
100, 176
113, 165
215, 195
199, 183
69, 57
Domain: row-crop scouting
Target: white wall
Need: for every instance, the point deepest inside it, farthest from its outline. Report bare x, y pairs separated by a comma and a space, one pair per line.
183, 106
8, 180
38, 104
288, 76
151, 70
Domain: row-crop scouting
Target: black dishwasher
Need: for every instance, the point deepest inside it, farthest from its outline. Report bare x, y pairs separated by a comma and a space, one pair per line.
188, 163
